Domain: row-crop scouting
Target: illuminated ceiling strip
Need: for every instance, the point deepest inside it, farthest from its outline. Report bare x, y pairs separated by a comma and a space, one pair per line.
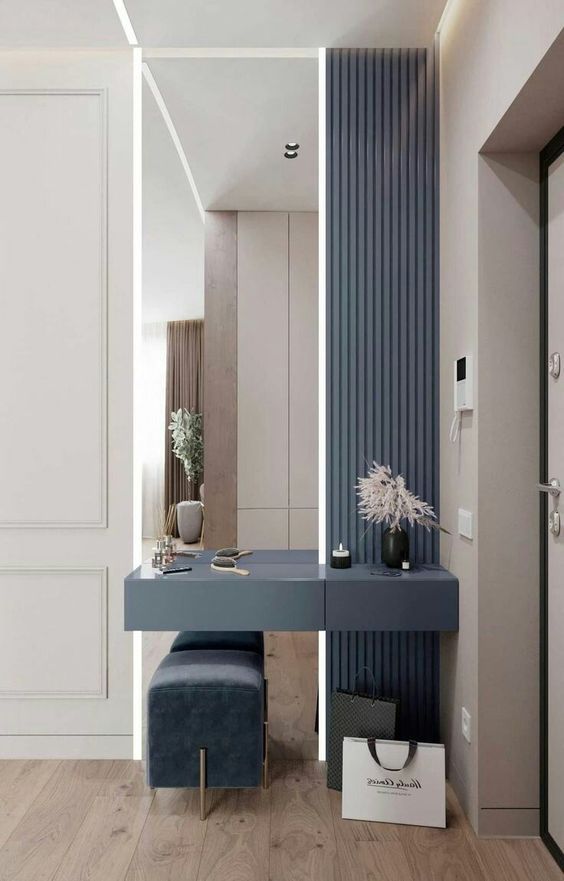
448, 8
174, 135
123, 15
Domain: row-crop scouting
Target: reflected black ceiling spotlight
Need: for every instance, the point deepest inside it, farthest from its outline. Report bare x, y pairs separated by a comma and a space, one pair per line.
291, 149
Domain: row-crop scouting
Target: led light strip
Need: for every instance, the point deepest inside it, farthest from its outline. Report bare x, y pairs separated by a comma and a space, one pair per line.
322, 504
125, 22
137, 337
174, 136
446, 12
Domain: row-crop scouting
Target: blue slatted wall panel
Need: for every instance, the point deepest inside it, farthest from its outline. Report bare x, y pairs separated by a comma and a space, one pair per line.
382, 333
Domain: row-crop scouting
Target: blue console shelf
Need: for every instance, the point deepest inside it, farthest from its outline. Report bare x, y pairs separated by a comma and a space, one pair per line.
375, 598
287, 590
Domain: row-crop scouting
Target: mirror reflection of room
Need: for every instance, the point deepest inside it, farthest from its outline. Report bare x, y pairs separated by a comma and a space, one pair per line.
230, 334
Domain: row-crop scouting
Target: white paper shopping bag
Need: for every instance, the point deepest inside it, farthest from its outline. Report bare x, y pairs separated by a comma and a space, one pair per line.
394, 781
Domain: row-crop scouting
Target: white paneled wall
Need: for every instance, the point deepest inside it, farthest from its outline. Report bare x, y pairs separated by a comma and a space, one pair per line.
66, 403
277, 380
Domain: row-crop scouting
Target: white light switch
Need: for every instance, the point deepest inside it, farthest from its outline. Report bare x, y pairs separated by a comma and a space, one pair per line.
465, 523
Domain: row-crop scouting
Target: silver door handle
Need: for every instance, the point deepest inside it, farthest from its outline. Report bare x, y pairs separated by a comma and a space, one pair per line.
552, 487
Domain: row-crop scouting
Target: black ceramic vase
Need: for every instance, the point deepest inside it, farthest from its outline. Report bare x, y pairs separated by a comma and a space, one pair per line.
395, 547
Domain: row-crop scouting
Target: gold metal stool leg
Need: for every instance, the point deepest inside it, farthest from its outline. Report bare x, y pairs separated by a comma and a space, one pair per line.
203, 783
265, 781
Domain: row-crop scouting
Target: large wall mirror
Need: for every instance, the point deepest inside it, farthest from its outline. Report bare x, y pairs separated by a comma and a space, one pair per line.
230, 329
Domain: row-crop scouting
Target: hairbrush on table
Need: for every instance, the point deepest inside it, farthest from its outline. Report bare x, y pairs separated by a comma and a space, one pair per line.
227, 564
232, 553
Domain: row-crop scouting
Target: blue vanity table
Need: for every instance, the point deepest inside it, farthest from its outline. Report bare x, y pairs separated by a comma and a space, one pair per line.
289, 590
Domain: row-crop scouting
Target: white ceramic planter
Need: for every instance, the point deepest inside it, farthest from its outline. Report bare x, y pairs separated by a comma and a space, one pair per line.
189, 521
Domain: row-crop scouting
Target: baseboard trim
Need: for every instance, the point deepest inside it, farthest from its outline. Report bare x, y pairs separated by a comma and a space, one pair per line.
81, 746
509, 823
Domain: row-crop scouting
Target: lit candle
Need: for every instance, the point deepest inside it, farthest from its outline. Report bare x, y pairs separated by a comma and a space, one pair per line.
341, 558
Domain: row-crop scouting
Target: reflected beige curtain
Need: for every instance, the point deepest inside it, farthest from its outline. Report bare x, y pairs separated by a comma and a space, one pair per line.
184, 388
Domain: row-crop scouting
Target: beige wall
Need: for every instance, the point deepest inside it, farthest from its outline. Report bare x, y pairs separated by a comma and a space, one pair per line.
488, 295
508, 457
277, 330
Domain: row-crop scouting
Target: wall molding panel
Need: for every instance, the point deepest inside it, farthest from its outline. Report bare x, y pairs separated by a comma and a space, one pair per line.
37, 195
69, 153
56, 633
382, 335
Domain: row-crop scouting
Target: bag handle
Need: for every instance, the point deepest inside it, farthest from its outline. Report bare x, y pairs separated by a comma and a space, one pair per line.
410, 754
358, 672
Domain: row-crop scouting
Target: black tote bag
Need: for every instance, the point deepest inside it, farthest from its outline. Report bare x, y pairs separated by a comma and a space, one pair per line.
357, 715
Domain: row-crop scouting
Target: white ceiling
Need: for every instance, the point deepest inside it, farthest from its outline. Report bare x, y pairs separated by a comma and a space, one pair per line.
234, 117
173, 232
217, 23
51, 23
290, 23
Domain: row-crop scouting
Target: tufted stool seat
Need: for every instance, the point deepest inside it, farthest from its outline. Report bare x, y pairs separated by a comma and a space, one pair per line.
206, 724
240, 640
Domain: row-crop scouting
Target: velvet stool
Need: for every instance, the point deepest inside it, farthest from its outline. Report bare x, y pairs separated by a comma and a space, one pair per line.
241, 640
207, 723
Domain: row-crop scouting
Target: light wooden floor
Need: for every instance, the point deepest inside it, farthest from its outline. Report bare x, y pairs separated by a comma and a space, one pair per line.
97, 821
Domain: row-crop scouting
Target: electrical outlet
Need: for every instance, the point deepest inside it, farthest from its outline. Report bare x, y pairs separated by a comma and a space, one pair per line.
466, 725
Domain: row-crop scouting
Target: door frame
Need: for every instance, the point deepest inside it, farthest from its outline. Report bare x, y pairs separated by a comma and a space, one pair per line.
548, 155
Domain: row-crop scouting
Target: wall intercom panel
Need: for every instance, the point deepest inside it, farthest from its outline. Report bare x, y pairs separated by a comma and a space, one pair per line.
463, 384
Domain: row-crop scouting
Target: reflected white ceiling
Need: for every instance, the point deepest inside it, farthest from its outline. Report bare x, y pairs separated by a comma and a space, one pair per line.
234, 117
360, 23
173, 232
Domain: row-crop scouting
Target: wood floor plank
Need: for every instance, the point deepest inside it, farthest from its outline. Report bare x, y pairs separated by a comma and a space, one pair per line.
515, 860
359, 830
292, 697
104, 845
436, 854
170, 847
20, 784
370, 860
398, 851
368, 851
442, 853
302, 839
36, 847
125, 778
236, 846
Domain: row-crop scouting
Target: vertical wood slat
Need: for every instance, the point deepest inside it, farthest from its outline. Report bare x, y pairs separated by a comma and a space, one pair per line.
220, 379
382, 338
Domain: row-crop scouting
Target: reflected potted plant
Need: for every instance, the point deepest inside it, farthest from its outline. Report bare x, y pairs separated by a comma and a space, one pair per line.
384, 498
188, 447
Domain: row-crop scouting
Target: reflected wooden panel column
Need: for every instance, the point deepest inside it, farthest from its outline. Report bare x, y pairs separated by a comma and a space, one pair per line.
220, 379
